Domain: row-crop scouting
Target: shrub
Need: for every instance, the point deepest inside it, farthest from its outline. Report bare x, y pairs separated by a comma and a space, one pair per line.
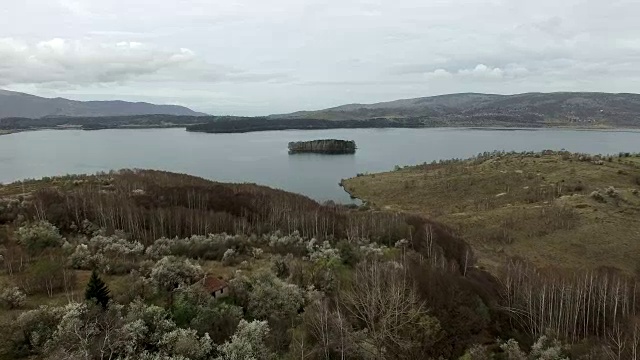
197, 309
111, 254
210, 247
171, 273
38, 236
597, 196
47, 275
612, 192
280, 266
247, 343
38, 326
13, 297
477, 352
543, 348
229, 258
186, 344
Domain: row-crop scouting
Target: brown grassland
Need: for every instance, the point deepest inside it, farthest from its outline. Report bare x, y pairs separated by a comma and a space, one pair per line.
555, 209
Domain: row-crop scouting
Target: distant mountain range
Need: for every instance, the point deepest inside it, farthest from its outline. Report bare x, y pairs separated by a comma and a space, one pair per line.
471, 109
20, 105
534, 110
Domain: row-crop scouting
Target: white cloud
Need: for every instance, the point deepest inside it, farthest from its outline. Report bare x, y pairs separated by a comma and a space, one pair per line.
438, 74
65, 64
78, 62
480, 72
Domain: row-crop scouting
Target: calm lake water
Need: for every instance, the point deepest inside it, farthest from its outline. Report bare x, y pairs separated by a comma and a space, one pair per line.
262, 157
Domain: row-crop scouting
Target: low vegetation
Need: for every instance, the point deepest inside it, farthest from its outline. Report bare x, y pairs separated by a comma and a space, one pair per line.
118, 266
550, 208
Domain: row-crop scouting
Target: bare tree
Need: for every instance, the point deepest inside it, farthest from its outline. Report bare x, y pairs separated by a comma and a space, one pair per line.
382, 300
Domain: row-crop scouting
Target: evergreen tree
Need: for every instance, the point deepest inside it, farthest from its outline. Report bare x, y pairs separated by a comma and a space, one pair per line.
97, 290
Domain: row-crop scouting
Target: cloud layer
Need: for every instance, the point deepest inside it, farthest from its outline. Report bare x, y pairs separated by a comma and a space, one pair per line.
83, 63
256, 57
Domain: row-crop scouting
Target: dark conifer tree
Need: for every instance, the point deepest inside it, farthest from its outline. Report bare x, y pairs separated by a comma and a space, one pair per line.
97, 290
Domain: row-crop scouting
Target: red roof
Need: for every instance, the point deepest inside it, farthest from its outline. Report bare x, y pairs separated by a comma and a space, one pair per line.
213, 284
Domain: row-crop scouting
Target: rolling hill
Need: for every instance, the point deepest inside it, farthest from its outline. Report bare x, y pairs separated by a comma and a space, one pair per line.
471, 109
21, 105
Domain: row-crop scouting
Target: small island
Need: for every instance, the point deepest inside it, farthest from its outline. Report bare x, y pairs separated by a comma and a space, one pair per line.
326, 146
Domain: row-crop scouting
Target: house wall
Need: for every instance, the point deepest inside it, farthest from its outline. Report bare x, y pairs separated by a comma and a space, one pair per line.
220, 293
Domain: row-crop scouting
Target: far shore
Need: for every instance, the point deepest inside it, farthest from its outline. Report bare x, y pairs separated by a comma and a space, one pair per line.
7, 132
174, 126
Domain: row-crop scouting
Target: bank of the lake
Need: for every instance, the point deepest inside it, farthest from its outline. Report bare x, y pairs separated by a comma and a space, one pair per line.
262, 157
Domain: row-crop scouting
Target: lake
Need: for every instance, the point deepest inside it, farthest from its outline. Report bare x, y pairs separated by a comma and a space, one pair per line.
262, 157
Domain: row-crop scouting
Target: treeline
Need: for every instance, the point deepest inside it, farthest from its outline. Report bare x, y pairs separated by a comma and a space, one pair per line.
152, 204
105, 122
242, 125
212, 124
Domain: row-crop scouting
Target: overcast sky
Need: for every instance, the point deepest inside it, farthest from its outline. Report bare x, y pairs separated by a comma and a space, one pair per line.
253, 57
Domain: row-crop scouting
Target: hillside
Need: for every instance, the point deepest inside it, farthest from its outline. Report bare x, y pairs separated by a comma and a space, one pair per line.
14, 104
153, 235
530, 109
141, 264
550, 208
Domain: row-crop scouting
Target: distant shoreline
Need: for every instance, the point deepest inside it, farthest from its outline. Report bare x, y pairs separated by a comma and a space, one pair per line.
7, 132
242, 131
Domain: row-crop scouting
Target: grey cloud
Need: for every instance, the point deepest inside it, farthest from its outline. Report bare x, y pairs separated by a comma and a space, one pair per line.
65, 64
256, 56
81, 63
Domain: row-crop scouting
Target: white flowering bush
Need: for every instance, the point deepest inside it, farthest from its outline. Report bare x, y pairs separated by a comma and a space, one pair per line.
324, 254
248, 342
229, 257
83, 331
289, 244
401, 244
110, 254
210, 247
257, 252
39, 325
172, 273
266, 296
13, 297
160, 248
542, 349
372, 250
149, 323
38, 236
186, 343
81, 258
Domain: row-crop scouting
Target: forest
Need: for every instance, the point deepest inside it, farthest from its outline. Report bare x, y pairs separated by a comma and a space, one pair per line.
237, 124
268, 124
115, 266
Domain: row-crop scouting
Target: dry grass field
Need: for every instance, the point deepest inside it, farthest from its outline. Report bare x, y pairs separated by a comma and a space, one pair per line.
552, 208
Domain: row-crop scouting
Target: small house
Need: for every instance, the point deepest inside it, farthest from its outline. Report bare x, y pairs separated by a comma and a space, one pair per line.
216, 286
